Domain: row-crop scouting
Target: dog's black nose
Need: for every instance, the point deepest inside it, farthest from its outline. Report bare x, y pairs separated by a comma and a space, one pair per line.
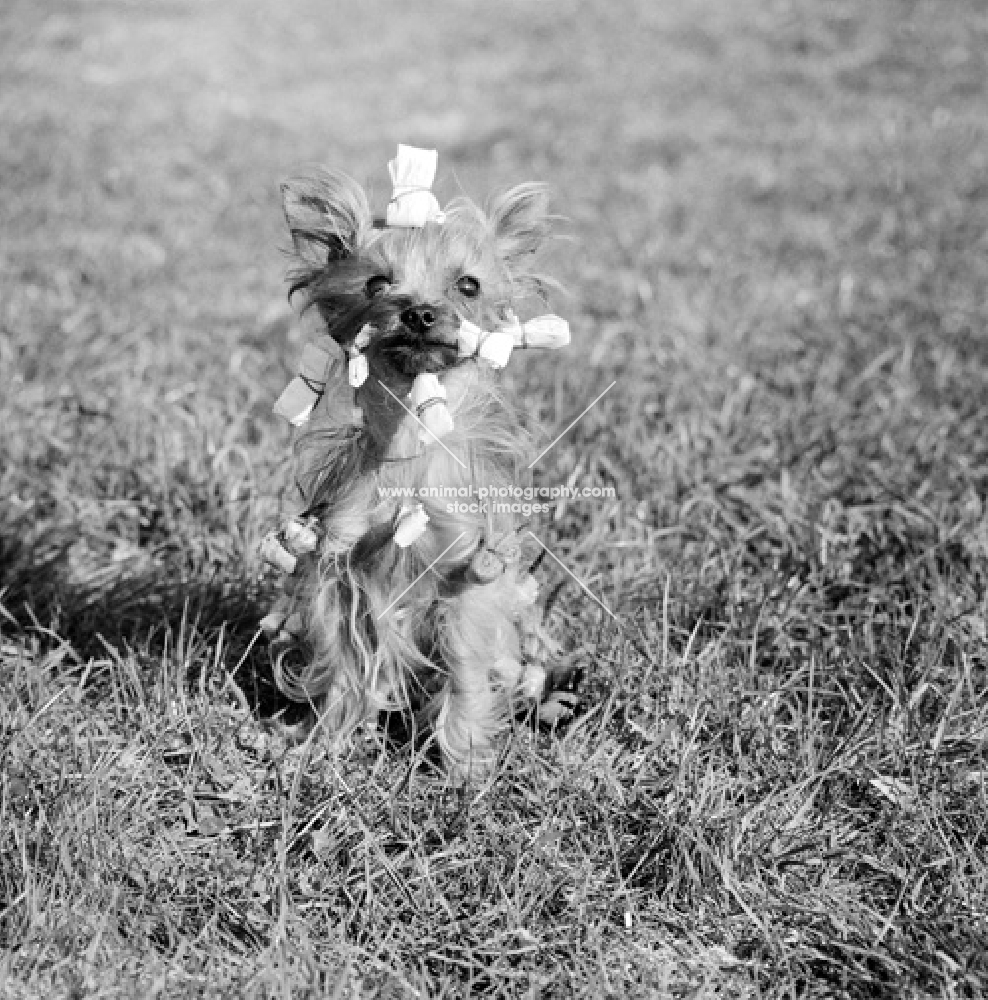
419, 319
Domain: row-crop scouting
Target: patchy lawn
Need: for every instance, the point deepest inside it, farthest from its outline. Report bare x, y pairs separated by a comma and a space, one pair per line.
775, 782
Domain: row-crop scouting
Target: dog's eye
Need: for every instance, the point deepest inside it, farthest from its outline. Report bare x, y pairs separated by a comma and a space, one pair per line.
468, 286
377, 286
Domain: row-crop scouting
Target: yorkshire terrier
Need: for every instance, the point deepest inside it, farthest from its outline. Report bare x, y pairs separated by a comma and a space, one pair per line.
407, 582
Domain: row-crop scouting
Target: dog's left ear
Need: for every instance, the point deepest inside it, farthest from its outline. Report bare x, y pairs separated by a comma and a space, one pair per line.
521, 223
327, 214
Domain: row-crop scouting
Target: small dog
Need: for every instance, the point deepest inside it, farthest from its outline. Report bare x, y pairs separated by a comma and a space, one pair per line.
404, 590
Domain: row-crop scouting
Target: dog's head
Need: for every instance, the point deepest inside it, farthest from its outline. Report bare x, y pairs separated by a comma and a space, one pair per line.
414, 286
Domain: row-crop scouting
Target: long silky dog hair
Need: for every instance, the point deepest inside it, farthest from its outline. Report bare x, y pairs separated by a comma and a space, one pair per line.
380, 626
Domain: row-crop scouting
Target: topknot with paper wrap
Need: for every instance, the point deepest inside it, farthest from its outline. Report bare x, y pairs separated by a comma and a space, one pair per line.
406, 587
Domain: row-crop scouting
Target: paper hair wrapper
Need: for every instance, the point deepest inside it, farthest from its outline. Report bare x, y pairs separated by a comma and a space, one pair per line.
281, 624
412, 202
275, 554
495, 346
299, 536
271, 623
357, 369
428, 403
548, 332
411, 525
304, 391
528, 589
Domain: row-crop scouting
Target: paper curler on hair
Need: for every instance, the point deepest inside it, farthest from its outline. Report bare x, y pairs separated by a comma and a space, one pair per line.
428, 403
410, 526
275, 554
412, 202
494, 346
304, 391
548, 332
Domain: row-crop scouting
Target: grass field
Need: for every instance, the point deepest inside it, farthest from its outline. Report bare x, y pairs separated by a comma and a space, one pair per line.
775, 781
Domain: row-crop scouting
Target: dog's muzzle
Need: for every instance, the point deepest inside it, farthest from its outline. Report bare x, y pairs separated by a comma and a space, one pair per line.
424, 340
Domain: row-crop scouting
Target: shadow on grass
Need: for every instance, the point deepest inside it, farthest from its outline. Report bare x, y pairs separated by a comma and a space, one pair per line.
141, 609
167, 613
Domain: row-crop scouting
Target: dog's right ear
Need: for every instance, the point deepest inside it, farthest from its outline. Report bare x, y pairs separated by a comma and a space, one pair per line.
328, 214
